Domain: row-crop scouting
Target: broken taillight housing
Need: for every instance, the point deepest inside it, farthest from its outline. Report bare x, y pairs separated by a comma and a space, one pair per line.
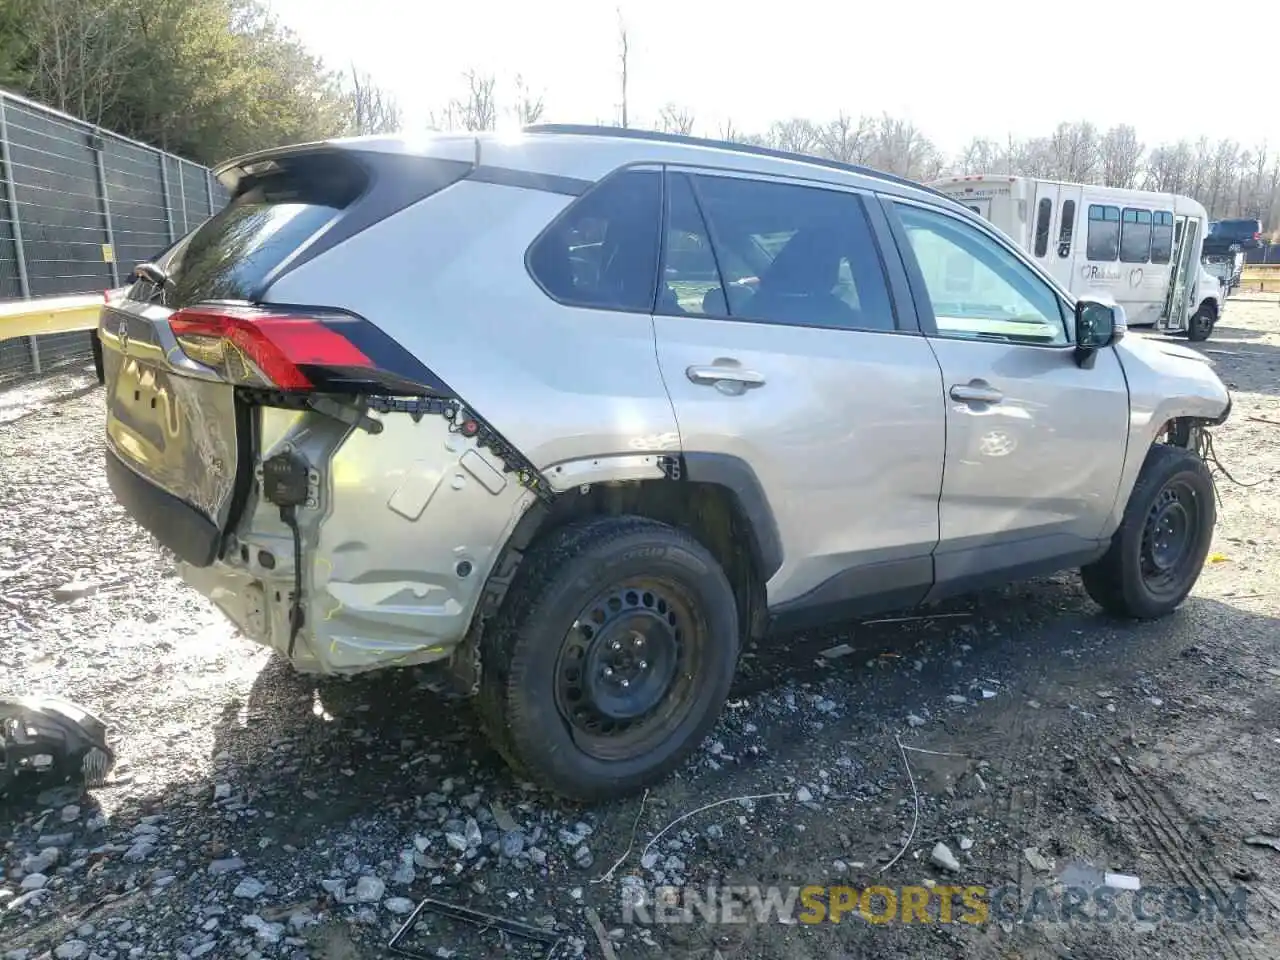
251, 346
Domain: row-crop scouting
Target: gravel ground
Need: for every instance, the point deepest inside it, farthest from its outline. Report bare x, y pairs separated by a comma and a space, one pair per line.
254, 812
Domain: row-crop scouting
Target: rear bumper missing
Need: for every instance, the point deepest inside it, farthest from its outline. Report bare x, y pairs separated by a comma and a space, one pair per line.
330, 641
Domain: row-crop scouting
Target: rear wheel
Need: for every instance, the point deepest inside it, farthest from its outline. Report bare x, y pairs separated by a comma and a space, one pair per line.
1159, 550
612, 658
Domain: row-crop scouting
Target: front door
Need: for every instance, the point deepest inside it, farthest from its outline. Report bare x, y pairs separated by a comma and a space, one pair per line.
785, 353
1035, 444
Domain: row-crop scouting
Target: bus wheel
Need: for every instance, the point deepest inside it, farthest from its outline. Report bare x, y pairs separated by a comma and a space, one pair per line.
1201, 324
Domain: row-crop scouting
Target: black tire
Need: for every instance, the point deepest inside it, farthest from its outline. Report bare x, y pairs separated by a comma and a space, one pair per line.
1200, 326
95, 345
1140, 575
548, 658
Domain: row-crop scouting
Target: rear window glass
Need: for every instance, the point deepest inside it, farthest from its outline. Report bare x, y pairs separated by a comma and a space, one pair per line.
271, 216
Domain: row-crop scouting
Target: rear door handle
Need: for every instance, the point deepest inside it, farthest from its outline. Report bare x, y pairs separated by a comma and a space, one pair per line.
976, 392
716, 374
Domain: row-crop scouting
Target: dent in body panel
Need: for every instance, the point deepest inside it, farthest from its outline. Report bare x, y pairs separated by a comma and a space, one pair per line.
845, 436
1043, 462
406, 527
559, 383
395, 590
176, 432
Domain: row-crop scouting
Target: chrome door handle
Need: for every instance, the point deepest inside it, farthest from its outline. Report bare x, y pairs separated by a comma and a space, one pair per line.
715, 374
976, 392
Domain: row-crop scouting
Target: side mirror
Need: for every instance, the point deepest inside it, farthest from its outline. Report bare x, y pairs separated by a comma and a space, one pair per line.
1098, 325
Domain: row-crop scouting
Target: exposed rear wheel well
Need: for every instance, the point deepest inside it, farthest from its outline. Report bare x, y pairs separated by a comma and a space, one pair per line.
1209, 306
710, 512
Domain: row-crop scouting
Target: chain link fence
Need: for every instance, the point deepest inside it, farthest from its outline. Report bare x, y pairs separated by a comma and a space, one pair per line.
79, 208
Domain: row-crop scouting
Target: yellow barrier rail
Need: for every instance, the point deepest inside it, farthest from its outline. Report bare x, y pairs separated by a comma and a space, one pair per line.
1260, 278
34, 318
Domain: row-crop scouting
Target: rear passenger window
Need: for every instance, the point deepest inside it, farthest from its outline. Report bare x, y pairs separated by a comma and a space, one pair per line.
794, 255
1135, 236
1103, 242
603, 251
690, 274
1043, 216
1161, 237
1068, 227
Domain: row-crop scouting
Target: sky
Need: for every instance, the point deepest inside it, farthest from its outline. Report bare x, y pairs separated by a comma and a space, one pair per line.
957, 70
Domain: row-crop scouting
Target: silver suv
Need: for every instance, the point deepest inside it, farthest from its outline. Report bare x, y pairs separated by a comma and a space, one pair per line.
576, 414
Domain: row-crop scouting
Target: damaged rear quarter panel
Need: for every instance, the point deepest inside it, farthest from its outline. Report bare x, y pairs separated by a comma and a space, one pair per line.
406, 526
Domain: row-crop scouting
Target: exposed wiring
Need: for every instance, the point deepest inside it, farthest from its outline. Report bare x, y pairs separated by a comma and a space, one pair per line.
290, 517
1204, 449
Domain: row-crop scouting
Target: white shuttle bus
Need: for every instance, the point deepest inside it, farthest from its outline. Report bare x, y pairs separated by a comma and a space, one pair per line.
1141, 248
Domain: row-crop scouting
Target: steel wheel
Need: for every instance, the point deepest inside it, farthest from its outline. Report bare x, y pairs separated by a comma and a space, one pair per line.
623, 676
1169, 537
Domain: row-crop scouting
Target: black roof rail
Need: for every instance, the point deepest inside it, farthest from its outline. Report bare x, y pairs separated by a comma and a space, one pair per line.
628, 133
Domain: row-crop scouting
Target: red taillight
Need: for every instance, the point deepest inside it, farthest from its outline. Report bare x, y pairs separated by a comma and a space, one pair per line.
277, 345
1257, 236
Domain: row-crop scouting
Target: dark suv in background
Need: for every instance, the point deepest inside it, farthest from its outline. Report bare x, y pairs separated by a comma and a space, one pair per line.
1229, 236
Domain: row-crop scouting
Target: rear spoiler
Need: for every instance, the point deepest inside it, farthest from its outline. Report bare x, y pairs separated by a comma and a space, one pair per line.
449, 147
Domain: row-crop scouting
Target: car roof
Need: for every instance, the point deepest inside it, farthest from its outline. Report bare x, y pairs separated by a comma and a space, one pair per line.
590, 153
692, 146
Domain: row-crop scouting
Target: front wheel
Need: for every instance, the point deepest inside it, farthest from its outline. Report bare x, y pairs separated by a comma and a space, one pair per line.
1200, 326
1156, 555
612, 658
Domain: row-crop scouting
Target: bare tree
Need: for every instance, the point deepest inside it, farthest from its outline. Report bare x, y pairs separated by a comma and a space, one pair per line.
848, 140
479, 109
903, 150
1075, 151
1256, 202
527, 108
624, 49
373, 110
1121, 157
1220, 178
1169, 168
796, 135
981, 155
674, 119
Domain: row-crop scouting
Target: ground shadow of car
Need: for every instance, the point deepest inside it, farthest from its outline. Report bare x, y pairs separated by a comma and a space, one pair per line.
311, 776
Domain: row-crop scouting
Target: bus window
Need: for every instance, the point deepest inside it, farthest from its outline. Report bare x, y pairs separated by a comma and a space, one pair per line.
1068, 227
1135, 236
1103, 241
1161, 237
1043, 215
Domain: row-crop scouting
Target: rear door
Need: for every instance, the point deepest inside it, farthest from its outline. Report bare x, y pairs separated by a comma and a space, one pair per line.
785, 352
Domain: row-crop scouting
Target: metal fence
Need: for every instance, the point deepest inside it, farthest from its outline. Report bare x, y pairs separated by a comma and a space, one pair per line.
79, 208
1267, 253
